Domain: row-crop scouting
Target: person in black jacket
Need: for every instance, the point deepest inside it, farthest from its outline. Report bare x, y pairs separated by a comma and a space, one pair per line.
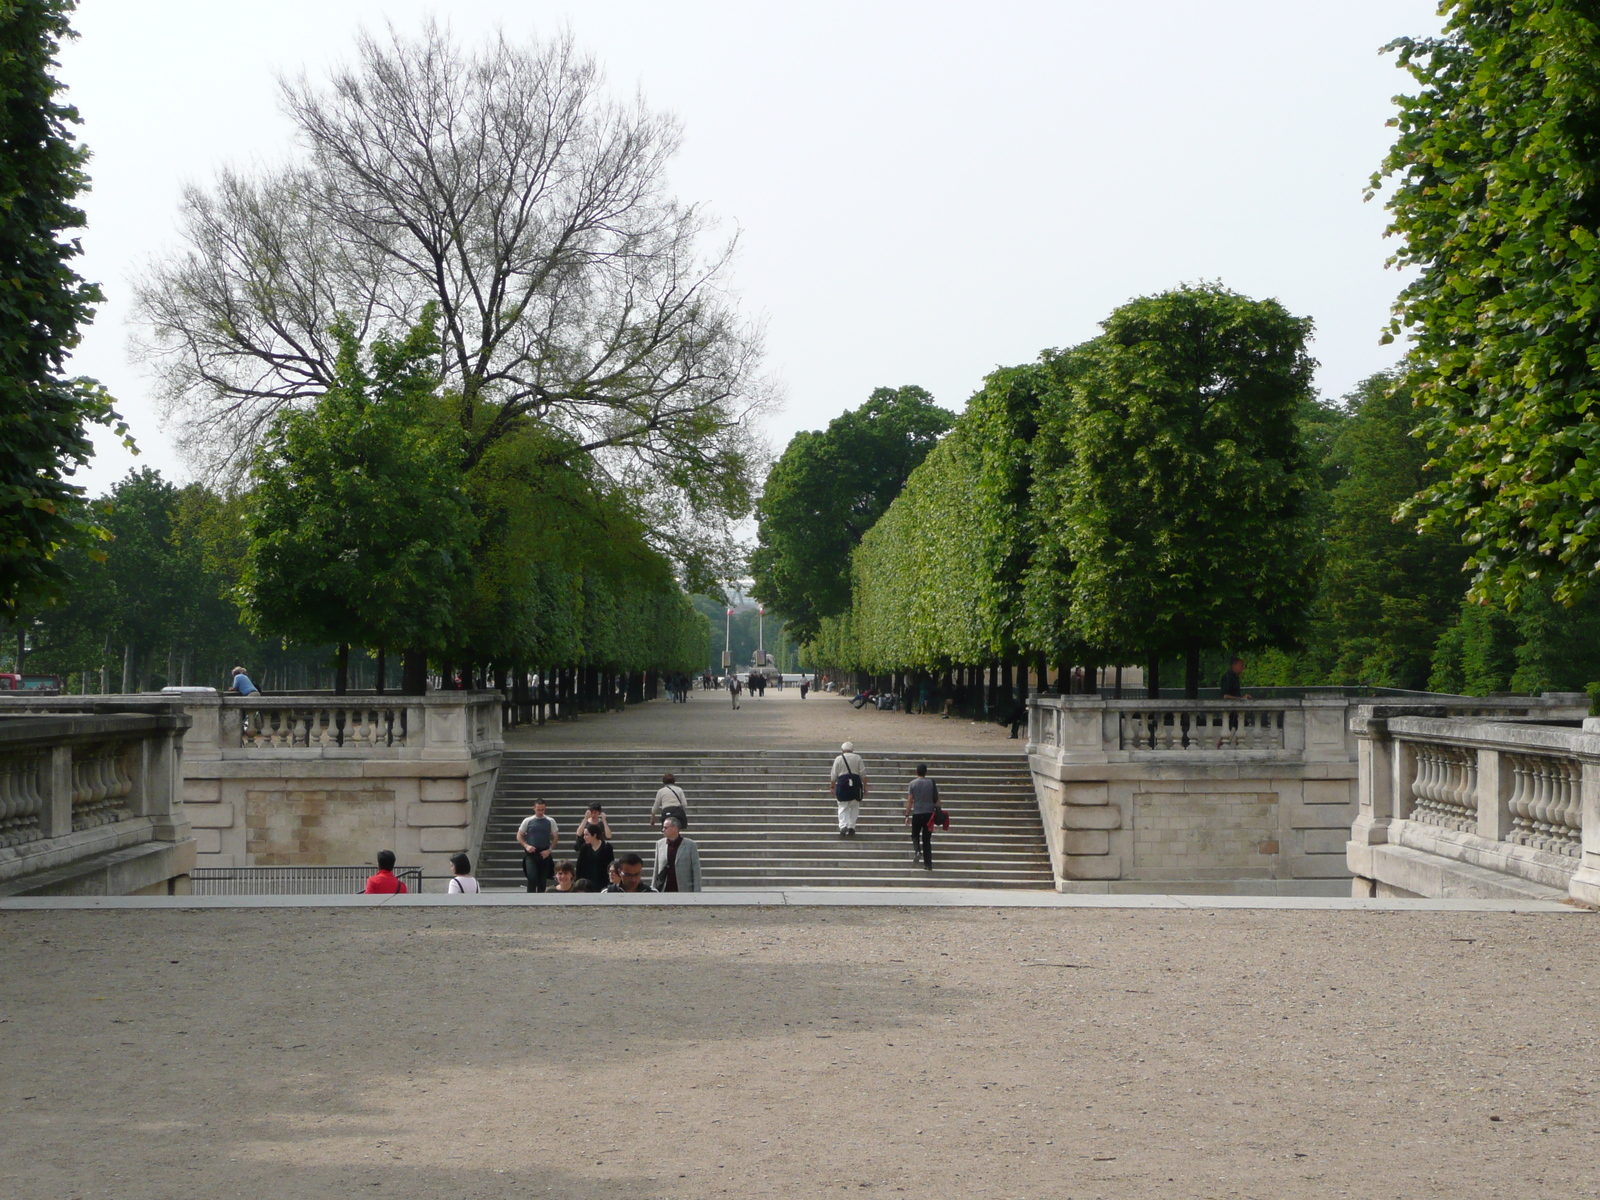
594, 856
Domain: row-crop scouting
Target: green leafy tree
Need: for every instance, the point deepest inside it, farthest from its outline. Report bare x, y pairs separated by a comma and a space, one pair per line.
826, 491
1496, 202
1388, 591
43, 302
1186, 503
360, 528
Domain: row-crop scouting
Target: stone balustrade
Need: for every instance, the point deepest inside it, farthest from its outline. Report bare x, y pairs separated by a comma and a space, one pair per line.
316, 780
1233, 795
92, 803
1471, 806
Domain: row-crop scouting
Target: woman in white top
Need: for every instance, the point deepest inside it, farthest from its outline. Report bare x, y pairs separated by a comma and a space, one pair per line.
462, 883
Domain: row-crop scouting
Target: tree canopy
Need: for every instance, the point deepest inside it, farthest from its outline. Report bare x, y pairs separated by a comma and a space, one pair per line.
360, 525
1185, 509
500, 185
824, 493
43, 303
1496, 205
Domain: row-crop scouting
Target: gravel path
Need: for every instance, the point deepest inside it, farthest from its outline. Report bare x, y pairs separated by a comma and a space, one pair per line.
611, 1053
781, 720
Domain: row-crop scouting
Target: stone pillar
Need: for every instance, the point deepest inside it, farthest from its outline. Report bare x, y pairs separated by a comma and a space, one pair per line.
55, 786
1375, 784
1495, 778
1585, 884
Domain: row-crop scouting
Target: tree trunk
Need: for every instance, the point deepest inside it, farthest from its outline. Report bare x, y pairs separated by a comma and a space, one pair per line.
414, 673
22, 648
1152, 680
1118, 695
127, 668
341, 676
1191, 674
1091, 678
378, 679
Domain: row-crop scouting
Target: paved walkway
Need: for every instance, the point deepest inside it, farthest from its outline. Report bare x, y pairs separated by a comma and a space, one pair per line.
684, 1053
780, 720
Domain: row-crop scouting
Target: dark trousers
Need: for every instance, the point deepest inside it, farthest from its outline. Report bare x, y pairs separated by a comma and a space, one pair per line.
922, 838
539, 870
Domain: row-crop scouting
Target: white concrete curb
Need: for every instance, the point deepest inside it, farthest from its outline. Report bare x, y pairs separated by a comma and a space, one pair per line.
797, 897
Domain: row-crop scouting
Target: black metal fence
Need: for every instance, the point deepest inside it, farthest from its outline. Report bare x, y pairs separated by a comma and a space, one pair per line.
291, 881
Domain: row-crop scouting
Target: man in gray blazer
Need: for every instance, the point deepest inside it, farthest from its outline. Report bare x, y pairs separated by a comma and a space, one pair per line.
677, 860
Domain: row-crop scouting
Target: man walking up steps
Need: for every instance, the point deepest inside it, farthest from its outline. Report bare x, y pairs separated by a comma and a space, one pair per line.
849, 784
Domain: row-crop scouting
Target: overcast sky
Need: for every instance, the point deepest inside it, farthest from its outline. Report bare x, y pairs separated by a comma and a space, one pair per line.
923, 191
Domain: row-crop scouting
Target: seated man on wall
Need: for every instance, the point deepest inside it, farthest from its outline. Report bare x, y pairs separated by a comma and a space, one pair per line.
383, 881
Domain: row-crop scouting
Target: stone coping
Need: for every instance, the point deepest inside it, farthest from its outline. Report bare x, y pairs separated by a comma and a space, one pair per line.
806, 897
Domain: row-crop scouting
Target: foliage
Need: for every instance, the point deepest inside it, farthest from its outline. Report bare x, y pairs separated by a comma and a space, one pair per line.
1542, 646
572, 290
826, 491
43, 416
1387, 590
1185, 504
1495, 170
160, 597
360, 528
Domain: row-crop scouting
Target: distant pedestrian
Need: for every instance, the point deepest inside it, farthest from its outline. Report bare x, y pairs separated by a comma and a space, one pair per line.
594, 856
805, 686
922, 802
677, 860
538, 835
383, 881
1231, 684
848, 782
1019, 714
241, 683
630, 875
462, 883
671, 801
733, 689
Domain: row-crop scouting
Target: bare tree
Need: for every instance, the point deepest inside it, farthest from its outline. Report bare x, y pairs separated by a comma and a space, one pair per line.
503, 186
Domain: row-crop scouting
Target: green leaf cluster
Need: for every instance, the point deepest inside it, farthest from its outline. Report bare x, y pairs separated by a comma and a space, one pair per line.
1144, 494
828, 488
43, 302
1496, 203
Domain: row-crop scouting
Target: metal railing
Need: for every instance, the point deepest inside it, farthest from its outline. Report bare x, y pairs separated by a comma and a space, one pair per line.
291, 881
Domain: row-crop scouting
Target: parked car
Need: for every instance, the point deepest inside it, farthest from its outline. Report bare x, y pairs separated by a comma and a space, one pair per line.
12, 682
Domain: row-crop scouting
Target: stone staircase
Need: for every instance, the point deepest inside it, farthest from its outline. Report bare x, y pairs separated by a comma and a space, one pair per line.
764, 819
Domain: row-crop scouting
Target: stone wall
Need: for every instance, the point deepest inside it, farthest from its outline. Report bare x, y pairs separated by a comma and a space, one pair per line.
259, 796
1453, 806
90, 804
1203, 796
314, 780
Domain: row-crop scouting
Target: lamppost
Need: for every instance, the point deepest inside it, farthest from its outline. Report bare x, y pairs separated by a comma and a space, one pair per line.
727, 640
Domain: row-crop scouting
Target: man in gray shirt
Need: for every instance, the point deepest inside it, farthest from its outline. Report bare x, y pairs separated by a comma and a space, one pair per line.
922, 801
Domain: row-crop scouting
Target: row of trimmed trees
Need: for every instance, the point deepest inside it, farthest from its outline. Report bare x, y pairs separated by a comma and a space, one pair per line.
1140, 498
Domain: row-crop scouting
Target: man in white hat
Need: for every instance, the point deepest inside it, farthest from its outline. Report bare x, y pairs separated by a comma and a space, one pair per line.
849, 784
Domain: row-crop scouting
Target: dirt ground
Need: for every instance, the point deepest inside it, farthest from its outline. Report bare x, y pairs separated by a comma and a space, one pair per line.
611, 1053
779, 720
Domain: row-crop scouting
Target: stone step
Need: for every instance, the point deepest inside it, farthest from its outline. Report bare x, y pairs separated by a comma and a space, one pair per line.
764, 818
